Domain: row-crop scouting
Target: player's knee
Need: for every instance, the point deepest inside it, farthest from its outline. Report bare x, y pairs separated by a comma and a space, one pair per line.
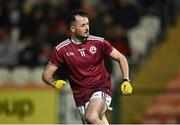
91, 117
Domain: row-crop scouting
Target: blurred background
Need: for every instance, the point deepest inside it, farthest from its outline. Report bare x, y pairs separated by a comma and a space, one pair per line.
145, 31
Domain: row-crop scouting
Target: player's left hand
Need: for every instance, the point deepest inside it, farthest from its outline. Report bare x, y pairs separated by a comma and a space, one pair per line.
126, 87
58, 84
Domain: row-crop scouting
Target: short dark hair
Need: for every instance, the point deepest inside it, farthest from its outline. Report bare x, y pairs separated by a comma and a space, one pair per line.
71, 17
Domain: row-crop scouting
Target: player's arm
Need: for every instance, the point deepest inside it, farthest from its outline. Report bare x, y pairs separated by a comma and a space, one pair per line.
47, 77
116, 55
126, 87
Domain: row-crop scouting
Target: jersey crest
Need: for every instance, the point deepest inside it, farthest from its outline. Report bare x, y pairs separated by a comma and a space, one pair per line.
93, 49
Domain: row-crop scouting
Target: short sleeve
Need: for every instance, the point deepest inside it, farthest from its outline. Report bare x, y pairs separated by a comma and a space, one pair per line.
107, 48
56, 58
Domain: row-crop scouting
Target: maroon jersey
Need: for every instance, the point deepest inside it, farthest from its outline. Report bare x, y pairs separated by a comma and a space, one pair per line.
87, 73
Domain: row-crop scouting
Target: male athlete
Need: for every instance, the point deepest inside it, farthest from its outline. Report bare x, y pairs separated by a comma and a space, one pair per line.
90, 82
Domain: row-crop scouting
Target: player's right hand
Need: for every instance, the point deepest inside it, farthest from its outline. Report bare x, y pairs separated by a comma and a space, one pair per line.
58, 84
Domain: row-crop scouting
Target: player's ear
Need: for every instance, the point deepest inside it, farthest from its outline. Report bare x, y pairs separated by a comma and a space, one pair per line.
72, 28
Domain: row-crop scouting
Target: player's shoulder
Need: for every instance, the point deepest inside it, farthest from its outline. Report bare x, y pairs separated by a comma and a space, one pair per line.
95, 38
63, 44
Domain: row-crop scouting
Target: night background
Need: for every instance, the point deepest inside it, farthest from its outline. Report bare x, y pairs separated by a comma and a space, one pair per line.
145, 31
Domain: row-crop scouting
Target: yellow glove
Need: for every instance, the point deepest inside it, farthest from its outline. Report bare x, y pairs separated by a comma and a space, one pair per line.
126, 87
58, 84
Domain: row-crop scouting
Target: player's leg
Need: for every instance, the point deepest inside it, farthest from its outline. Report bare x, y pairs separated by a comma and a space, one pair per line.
103, 116
82, 113
104, 119
95, 110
